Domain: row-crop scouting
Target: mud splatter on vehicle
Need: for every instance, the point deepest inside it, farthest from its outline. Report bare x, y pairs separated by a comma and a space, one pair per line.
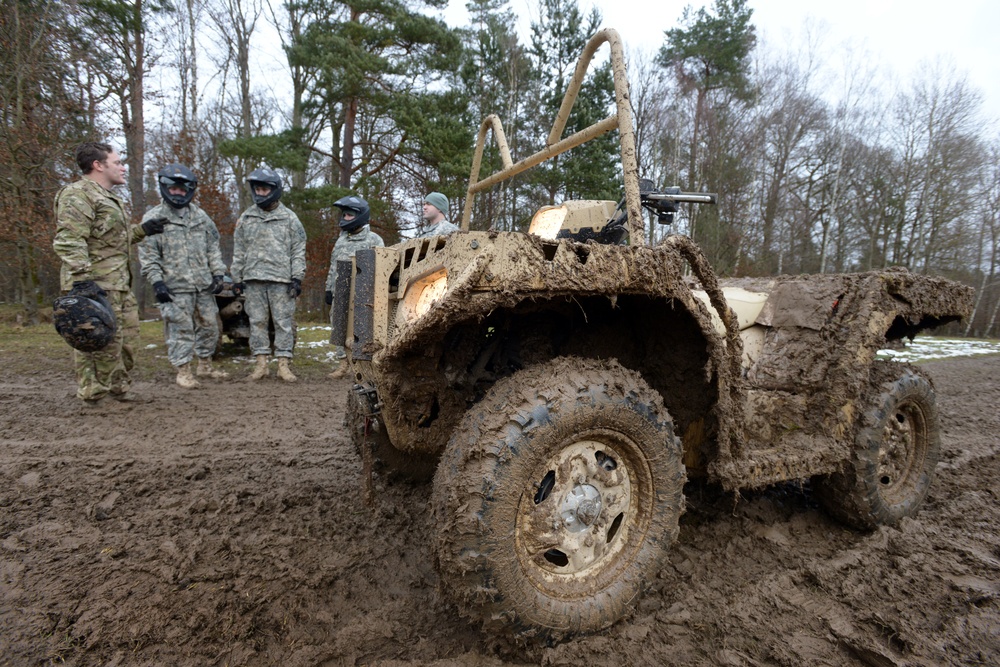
562, 384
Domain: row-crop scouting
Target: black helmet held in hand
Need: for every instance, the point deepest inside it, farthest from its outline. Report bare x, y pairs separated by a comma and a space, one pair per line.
359, 207
268, 177
87, 323
177, 175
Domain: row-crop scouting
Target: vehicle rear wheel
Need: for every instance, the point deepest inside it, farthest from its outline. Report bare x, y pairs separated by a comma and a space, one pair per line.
557, 499
896, 450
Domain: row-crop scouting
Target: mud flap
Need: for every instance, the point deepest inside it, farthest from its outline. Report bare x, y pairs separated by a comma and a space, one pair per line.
364, 304
341, 303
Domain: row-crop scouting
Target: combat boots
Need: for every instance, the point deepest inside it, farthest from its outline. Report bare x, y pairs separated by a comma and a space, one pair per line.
206, 370
284, 372
260, 370
340, 371
185, 378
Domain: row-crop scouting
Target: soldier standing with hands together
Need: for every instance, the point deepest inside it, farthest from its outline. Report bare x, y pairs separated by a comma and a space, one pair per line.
185, 267
269, 263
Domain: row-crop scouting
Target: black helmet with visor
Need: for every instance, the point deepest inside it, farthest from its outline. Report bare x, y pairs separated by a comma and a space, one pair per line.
270, 178
177, 176
359, 207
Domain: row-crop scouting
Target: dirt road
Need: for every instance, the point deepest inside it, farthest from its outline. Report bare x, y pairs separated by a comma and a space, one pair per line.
225, 526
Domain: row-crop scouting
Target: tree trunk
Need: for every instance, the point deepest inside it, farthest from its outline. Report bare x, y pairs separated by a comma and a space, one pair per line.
347, 156
28, 282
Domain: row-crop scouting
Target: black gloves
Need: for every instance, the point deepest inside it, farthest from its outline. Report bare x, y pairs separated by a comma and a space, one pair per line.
239, 288
329, 298
218, 282
87, 288
295, 288
162, 293
154, 226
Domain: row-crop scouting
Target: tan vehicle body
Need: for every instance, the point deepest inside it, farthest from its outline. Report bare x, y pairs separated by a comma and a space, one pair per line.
461, 349
786, 411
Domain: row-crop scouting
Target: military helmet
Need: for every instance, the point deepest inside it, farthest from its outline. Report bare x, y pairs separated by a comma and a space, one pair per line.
269, 177
86, 323
177, 175
358, 206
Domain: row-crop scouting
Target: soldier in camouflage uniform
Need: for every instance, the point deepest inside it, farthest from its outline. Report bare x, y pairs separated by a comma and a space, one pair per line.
436, 217
94, 240
185, 267
269, 263
355, 234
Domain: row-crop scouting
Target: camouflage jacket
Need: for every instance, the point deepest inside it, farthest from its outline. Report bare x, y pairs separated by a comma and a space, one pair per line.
268, 245
93, 238
348, 244
186, 255
442, 228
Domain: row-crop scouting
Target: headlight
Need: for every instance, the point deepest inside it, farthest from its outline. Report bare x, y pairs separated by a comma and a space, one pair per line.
421, 294
547, 221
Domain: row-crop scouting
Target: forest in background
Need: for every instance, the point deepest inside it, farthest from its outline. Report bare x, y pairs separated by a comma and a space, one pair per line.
817, 171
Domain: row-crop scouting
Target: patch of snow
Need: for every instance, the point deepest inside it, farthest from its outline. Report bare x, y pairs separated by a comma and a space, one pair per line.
927, 349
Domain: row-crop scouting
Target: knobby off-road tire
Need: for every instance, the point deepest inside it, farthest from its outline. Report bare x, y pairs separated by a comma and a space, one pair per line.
388, 461
557, 499
896, 449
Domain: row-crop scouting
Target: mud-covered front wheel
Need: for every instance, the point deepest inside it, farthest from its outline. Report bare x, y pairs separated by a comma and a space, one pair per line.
895, 452
557, 498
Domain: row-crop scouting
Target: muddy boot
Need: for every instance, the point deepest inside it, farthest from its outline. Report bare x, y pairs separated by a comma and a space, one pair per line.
260, 370
131, 397
284, 372
341, 371
205, 370
185, 378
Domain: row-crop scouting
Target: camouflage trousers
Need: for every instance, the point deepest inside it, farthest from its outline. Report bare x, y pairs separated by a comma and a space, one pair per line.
190, 326
107, 371
265, 302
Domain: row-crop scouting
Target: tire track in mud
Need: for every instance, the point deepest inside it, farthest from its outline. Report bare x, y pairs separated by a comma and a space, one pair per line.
225, 526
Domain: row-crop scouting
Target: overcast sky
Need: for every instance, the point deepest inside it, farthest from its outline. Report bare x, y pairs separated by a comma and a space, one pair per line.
898, 34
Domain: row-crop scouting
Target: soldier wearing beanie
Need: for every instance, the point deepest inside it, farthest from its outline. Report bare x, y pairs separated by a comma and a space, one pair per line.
436, 217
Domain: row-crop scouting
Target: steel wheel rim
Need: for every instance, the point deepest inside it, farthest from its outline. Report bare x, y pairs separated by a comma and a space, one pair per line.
582, 516
902, 452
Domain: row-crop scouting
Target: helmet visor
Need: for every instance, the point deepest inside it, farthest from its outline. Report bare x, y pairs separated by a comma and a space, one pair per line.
168, 182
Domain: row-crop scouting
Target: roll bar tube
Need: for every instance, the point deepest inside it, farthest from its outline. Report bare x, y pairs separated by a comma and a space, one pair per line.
621, 119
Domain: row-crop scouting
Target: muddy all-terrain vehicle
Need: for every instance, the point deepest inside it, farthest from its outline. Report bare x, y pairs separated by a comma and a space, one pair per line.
233, 321
561, 385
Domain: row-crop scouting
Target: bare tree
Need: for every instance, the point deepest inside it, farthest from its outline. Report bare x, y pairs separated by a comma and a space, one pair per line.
790, 118
989, 247
235, 22
937, 117
659, 124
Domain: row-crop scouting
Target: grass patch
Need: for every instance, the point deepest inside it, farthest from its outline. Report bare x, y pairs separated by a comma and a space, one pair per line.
32, 348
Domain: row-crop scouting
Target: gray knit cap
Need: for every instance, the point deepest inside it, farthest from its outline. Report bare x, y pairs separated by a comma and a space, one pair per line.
438, 201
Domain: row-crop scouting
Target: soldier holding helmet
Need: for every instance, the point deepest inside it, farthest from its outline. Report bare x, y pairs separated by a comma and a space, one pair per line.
93, 239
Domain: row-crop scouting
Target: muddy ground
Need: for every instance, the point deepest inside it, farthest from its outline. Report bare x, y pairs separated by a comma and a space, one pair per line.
225, 526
